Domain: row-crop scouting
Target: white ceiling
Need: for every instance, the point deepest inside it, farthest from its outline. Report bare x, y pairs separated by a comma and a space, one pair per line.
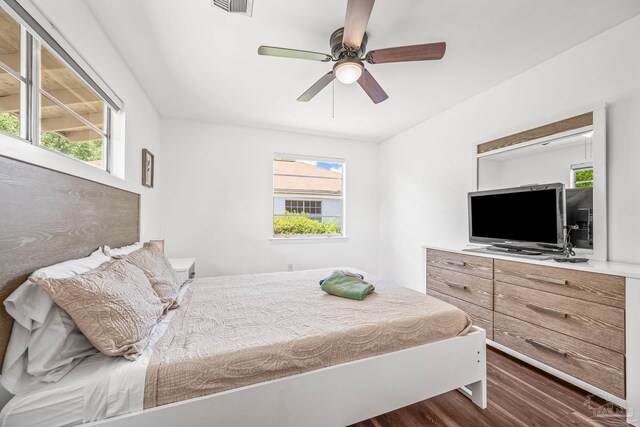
198, 62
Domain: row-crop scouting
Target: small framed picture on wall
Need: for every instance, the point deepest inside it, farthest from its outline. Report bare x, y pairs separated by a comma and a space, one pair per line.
147, 168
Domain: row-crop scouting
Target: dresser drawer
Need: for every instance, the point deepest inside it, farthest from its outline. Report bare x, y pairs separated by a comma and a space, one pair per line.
595, 365
479, 316
594, 323
469, 264
594, 287
469, 288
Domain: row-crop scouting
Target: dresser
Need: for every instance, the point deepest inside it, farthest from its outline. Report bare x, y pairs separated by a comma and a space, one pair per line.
580, 322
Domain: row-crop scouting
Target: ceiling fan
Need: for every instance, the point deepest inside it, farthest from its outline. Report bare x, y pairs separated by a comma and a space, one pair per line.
349, 50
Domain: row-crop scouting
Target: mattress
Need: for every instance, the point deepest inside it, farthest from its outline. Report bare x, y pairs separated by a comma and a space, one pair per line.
235, 331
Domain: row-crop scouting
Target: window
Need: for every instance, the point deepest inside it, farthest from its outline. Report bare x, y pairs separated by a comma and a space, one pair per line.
311, 207
582, 175
308, 196
47, 97
73, 118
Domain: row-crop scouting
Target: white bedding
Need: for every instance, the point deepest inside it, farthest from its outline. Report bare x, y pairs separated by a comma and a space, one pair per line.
98, 387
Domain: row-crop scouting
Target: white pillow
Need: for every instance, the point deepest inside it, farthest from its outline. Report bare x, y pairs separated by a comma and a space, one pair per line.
122, 251
45, 343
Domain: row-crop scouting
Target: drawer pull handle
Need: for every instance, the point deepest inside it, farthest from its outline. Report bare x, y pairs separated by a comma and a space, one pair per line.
546, 347
546, 279
455, 262
547, 311
455, 285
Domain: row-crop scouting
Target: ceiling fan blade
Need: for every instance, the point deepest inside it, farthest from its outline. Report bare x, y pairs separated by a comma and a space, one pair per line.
355, 24
419, 52
372, 88
317, 87
293, 53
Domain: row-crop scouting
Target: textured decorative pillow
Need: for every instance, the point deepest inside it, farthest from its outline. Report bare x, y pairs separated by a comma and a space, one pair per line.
158, 270
113, 305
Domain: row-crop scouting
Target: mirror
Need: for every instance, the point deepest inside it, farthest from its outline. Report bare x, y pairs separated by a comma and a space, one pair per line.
565, 160
575, 158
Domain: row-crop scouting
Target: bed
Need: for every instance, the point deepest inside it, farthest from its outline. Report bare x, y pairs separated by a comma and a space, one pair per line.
268, 349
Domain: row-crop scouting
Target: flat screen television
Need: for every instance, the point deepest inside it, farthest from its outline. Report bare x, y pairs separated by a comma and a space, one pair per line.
528, 217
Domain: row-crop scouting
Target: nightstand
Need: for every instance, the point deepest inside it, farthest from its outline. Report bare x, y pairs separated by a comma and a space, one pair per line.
185, 268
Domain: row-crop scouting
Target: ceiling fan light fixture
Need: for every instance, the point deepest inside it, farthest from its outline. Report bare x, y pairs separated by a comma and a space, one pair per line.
348, 70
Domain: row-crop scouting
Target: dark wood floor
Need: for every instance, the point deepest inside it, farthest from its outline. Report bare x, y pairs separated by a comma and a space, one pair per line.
519, 395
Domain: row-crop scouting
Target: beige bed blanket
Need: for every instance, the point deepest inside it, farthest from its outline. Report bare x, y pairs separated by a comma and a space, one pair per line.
235, 331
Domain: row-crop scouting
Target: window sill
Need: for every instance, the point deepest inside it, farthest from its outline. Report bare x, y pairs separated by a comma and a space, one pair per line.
24, 151
309, 239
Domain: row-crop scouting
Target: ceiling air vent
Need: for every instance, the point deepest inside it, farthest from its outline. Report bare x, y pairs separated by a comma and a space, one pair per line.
244, 7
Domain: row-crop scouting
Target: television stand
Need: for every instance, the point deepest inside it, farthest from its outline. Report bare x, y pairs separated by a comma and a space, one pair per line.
545, 248
513, 249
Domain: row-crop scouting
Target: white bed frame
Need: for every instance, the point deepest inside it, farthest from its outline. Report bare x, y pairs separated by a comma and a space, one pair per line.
338, 395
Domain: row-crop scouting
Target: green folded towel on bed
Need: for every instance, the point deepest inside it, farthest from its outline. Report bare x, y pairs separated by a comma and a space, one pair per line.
347, 286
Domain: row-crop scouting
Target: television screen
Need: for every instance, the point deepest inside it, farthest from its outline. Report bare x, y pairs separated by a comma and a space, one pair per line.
521, 215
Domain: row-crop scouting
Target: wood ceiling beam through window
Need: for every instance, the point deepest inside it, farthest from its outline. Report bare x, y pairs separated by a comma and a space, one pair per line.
70, 123
11, 102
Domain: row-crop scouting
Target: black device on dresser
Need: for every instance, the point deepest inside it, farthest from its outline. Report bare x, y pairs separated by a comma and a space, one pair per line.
529, 220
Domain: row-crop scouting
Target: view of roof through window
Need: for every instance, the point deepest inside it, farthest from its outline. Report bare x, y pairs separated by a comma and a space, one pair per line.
307, 197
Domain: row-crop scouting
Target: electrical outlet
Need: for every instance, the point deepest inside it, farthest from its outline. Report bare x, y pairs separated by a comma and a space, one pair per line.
290, 267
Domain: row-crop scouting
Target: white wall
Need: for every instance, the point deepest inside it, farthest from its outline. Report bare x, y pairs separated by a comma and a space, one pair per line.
427, 170
79, 27
217, 199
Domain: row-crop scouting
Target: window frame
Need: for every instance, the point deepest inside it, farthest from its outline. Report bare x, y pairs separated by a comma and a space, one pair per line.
310, 238
22, 76
36, 34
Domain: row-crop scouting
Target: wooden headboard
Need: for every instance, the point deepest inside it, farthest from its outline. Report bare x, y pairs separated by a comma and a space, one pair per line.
47, 217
